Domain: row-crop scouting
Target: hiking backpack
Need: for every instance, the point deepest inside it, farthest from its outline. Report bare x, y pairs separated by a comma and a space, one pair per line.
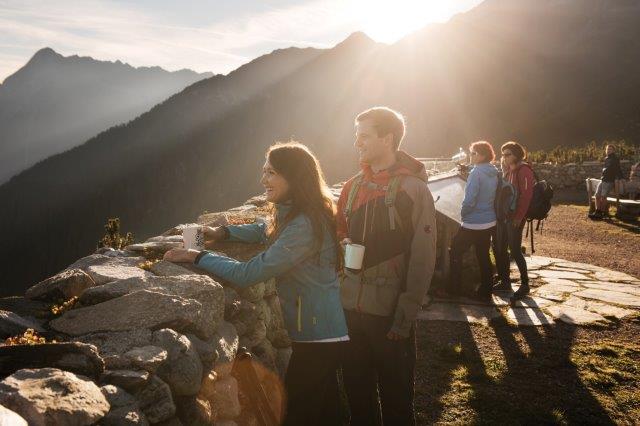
539, 206
540, 201
391, 191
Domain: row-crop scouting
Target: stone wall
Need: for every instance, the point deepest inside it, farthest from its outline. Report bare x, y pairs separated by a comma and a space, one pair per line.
573, 175
144, 341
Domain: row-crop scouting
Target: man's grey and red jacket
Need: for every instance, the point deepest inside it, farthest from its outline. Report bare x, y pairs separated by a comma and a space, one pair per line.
399, 260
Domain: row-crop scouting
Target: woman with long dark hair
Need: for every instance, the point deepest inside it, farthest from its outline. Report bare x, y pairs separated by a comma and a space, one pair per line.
509, 233
305, 257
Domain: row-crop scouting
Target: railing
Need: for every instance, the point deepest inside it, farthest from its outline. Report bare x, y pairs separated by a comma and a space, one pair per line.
437, 164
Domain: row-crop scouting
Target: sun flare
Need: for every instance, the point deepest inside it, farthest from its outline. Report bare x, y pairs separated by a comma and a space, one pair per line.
388, 21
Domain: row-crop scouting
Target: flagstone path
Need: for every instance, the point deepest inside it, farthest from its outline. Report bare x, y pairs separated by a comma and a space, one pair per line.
571, 292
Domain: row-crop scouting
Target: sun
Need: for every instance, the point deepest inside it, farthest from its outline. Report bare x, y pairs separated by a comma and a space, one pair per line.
388, 21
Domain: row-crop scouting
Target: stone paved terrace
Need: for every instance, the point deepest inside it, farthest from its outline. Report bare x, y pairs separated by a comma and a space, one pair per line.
572, 292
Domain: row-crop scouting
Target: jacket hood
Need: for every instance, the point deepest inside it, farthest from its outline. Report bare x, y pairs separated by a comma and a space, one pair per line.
405, 165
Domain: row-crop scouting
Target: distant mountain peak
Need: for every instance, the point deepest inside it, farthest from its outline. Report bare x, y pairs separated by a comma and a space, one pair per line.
357, 39
46, 53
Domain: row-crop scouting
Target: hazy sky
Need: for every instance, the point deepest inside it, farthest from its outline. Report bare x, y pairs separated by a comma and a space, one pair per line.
214, 35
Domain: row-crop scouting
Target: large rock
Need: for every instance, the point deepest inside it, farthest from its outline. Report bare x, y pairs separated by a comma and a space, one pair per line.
130, 380
255, 335
252, 293
183, 369
76, 357
226, 347
148, 358
232, 303
113, 345
206, 350
214, 219
198, 287
181, 285
177, 230
154, 248
141, 309
64, 285
104, 269
245, 318
193, 410
207, 387
50, 396
11, 418
168, 269
156, 401
26, 308
12, 324
124, 408
225, 401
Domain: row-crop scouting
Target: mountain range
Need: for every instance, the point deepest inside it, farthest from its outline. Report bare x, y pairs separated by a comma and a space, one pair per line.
543, 72
55, 103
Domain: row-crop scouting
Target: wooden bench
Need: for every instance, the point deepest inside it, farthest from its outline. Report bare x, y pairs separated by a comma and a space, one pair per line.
624, 207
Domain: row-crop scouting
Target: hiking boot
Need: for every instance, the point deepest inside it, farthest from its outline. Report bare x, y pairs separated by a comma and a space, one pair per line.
522, 292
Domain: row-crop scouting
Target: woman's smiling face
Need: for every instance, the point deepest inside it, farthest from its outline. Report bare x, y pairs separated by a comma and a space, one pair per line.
275, 185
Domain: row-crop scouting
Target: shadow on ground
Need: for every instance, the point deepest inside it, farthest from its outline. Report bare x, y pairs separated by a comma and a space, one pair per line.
504, 374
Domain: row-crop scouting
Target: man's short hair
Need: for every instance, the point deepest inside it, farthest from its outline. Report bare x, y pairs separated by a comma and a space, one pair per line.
385, 120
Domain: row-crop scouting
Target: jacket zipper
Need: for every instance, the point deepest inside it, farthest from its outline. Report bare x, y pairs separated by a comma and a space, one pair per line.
299, 313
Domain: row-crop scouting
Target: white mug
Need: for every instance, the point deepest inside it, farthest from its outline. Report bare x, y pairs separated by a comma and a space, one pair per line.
353, 255
193, 237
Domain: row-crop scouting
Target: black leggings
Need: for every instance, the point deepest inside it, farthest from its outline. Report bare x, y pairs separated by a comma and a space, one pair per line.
311, 384
480, 239
510, 237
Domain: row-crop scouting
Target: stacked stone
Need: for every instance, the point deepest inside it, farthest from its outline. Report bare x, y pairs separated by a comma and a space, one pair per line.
573, 175
147, 342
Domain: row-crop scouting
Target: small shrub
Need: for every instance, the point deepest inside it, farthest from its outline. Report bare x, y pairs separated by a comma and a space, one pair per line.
147, 264
112, 237
63, 306
29, 337
589, 152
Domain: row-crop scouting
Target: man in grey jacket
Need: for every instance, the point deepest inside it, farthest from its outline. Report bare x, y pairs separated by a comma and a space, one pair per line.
389, 209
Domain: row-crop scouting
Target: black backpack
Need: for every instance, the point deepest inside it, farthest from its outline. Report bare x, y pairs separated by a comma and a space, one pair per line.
540, 201
539, 206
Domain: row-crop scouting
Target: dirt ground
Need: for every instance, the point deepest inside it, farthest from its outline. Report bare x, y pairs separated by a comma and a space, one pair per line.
559, 374
569, 234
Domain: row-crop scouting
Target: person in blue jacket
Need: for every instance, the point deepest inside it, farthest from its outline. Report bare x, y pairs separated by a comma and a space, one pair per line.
305, 257
478, 221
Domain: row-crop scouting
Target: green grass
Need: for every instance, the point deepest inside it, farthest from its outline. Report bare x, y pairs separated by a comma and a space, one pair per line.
502, 374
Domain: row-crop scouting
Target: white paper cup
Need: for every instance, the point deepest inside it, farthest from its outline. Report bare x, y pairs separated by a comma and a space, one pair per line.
193, 238
353, 255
